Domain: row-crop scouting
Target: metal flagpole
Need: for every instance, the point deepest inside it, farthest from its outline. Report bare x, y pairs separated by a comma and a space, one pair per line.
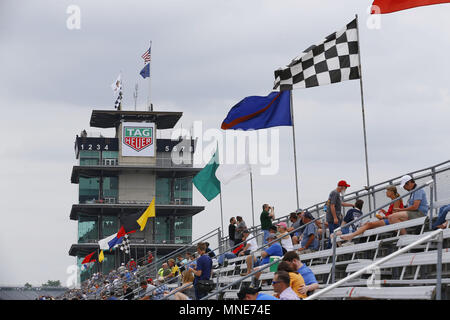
150, 106
295, 149
251, 190
362, 107
221, 210
135, 95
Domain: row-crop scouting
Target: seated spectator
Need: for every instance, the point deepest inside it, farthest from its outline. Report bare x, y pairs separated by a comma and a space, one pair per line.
191, 261
209, 251
311, 283
186, 291
146, 291
417, 208
286, 240
309, 238
248, 246
296, 223
174, 270
161, 289
441, 221
391, 192
249, 293
297, 281
273, 250
131, 265
351, 215
122, 268
281, 286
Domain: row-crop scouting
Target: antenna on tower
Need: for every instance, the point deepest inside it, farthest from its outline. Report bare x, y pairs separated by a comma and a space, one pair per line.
135, 95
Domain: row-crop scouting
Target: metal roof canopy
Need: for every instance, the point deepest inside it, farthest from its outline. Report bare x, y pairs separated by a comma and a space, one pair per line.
111, 118
108, 209
113, 171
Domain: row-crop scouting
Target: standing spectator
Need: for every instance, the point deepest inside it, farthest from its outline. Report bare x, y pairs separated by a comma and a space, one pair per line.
267, 215
202, 270
232, 232
239, 229
310, 241
286, 240
281, 286
334, 207
311, 283
131, 265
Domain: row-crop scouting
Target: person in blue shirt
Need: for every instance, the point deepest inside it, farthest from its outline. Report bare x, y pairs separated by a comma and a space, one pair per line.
441, 222
274, 250
310, 240
311, 283
202, 270
351, 215
249, 293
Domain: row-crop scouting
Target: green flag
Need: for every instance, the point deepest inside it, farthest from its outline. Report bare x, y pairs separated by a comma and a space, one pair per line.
205, 181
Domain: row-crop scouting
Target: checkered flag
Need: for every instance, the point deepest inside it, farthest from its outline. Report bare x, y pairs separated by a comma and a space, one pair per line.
118, 103
334, 60
125, 245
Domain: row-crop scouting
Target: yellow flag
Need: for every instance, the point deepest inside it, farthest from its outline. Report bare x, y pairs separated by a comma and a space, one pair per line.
101, 257
150, 212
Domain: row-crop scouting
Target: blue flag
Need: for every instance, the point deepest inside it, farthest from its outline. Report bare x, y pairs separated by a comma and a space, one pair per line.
145, 72
260, 112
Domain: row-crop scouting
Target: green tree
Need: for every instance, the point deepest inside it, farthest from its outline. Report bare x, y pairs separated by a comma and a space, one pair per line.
52, 283
27, 286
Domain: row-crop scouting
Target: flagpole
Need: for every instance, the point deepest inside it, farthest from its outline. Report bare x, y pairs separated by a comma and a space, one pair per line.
295, 149
251, 190
221, 210
150, 106
363, 112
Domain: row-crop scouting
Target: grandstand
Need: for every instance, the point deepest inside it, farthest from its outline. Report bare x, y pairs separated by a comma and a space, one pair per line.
379, 264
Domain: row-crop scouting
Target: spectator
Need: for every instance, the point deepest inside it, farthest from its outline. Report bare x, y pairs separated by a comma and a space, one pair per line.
250, 243
334, 207
417, 208
161, 289
249, 293
202, 270
191, 261
311, 283
286, 240
174, 270
310, 241
146, 291
122, 268
209, 251
351, 215
267, 215
131, 265
296, 223
281, 286
297, 282
186, 291
239, 229
164, 271
391, 192
232, 232
273, 250
441, 222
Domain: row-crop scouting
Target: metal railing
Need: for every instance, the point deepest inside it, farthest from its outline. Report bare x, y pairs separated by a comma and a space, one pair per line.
436, 234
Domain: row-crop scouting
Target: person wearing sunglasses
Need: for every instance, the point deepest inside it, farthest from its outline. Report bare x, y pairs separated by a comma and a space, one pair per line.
281, 286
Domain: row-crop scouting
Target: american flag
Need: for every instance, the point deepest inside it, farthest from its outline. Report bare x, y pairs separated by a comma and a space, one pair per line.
147, 56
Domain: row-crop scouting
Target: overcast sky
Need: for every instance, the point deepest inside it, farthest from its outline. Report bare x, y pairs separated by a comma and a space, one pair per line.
206, 56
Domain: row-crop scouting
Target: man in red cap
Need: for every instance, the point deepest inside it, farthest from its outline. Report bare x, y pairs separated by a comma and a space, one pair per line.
334, 207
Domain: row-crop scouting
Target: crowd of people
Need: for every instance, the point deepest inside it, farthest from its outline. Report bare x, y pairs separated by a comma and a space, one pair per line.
285, 241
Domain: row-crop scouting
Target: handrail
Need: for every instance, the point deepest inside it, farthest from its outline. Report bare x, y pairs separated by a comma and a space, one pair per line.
437, 233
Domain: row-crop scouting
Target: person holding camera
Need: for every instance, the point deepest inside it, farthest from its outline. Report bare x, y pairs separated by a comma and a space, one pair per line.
267, 215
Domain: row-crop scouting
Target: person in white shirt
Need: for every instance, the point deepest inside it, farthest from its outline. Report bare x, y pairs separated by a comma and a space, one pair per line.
281, 286
250, 243
286, 240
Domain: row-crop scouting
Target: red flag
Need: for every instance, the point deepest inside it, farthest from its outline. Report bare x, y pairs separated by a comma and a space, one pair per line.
388, 6
89, 258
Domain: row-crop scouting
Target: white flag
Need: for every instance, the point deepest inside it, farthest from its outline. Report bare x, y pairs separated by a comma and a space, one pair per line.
228, 172
117, 85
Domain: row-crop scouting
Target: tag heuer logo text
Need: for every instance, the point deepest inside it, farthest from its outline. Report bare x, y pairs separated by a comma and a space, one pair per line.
138, 138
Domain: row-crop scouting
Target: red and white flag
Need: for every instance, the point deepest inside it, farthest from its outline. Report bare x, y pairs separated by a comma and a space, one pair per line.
388, 6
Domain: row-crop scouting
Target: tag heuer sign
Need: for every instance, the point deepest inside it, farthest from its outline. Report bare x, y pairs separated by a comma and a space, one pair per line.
138, 139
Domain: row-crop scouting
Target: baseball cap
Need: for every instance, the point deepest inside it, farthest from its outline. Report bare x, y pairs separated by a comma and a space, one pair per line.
247, 290
282, 224
343, 183
308, 215
404, 180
